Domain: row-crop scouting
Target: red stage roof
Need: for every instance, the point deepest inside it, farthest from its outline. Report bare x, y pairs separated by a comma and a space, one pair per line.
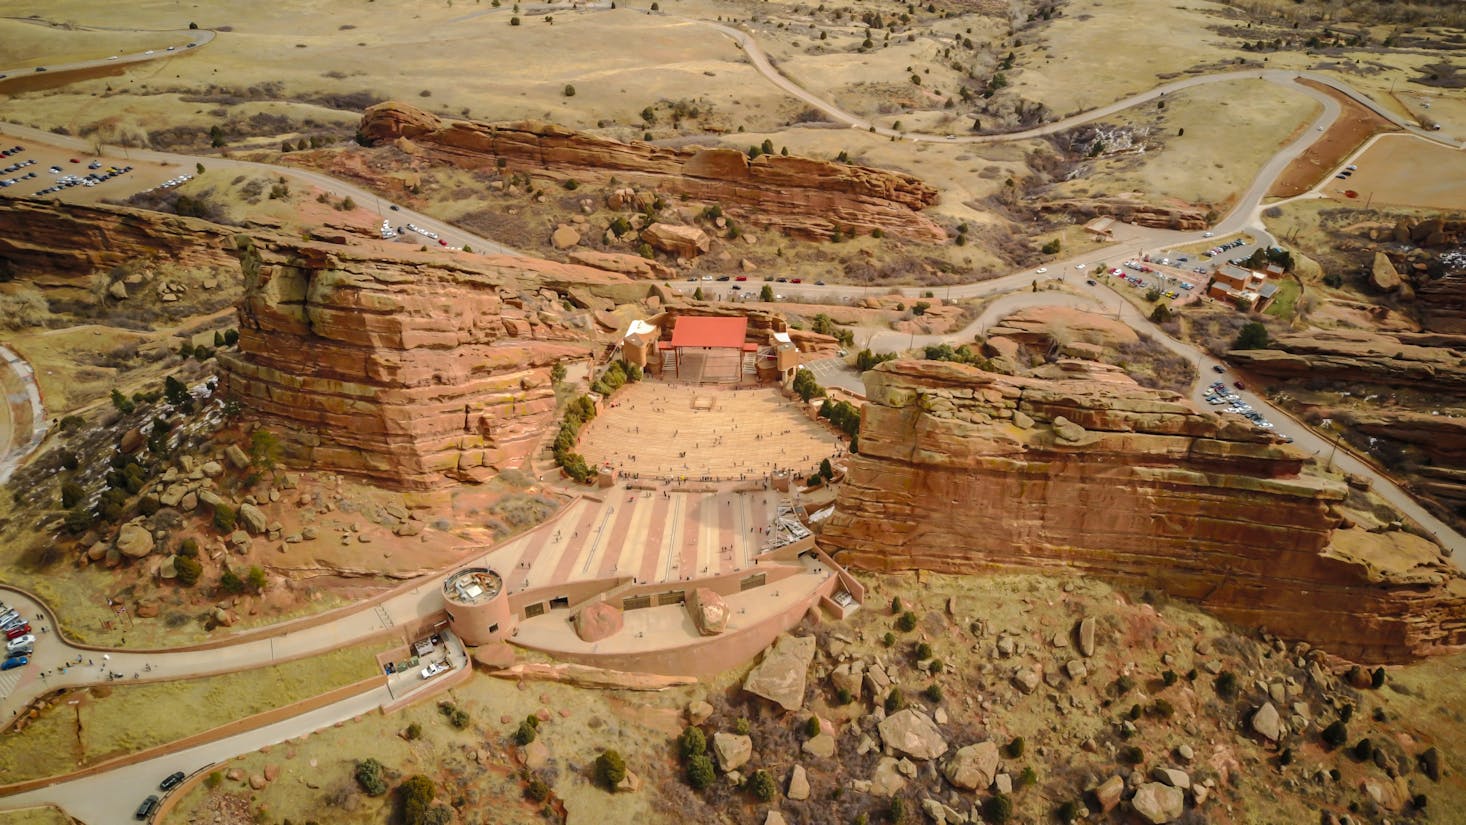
690, 331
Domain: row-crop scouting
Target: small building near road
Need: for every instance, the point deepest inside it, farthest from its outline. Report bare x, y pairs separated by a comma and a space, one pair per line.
1243, 287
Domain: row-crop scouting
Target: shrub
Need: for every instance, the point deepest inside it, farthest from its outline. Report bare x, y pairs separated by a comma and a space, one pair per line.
1169, 678
188, 569
933, 692
843, 696
1226, 684
762, 785
224, 517
230, 582
568, 91
923, 651
1364, 750
188, 547
1014, 749
907, 622
700, 772
895, 700
1377, 678
1336, 734
1130, 755
514, 21
812, 727
1163, 709
691, 743
935, 666
71, 494
369, 777
889, 640
537, 790
1052, 247
123, 404
524, 734
897, 810
414, 732
72, 423
214, 779
1067, 812
1253, 336
1124, 685
78, 520
417, 796
997, 809
741, 727
610, 768
1028, 778
256, 579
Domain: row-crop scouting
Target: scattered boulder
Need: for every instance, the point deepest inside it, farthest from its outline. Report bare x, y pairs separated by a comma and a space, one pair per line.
1086, 636
598, 621
236, 457
1171, 776
253, 518
699, 712
212, 469
1382, 274
709, 611
821, 745
564, 237
775, 818
1025, 679
972, 767
798, 784
780, 677
886, 779
1267, 722
1157, 803
1109, 792
630, 783
913, 733
132, 441
134, 541
732, 750
676, 239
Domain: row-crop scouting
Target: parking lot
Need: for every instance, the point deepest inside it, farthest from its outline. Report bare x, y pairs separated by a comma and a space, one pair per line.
428, 658
834, 372
45, 171
1226, 399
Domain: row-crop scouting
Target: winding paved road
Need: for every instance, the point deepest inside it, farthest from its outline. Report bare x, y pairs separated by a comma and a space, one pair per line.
109, 797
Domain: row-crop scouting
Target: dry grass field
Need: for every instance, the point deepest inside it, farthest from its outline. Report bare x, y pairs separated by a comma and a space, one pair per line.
88, 726
1403, 170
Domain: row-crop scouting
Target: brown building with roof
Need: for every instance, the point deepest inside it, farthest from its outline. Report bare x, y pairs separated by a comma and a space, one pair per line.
1242, 287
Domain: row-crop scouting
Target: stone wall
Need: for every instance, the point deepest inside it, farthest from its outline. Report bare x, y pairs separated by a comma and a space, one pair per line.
962, 470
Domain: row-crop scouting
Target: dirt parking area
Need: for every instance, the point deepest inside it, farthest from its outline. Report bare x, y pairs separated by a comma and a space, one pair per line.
1404, 170
1355, 125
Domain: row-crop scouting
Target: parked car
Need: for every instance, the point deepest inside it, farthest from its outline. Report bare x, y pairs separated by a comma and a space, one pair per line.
146, 809
1218, 368
14, 662
1239, 385
171, 781
17, 632
20, 643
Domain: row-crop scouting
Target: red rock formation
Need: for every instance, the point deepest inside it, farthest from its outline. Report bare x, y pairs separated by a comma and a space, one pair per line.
1139, 213
803, 196
414, 369
962, 470
55, 244
1424, 360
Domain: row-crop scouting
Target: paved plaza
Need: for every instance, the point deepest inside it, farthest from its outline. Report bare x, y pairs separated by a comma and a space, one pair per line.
656, 431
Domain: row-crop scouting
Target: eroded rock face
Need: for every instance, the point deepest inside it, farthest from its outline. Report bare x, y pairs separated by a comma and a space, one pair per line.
411, 368
801, 196
1164, 496
1423, 360
1130, 210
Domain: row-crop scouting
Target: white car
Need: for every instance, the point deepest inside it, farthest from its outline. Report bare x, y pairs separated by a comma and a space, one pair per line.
1079, 266
434, 669
1041, 270
1207, 234
25, 642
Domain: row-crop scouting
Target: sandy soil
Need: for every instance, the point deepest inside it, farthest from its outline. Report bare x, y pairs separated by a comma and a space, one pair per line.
35, 816
1354, 125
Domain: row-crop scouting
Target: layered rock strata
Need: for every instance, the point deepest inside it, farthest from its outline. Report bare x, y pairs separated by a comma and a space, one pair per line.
962, 470
413, 369
55, 244
1423, 360
1130, 210
801, 196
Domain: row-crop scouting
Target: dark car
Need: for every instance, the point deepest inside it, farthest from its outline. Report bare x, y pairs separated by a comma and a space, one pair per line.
1218, 368
171, 781
1091, 282
146, 809
393, 207
1239, 385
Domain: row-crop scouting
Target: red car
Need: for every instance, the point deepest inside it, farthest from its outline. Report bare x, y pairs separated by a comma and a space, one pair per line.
1239, 385
18, 632
741, 278
442, 242
796, 280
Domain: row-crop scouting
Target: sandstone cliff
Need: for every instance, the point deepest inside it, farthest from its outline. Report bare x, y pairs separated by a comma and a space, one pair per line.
802, 196
963, 470
413, 369
1130, 210
1422, 360
55, 244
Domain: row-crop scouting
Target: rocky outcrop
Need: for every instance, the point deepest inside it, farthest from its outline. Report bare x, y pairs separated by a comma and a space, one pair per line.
780, 676
1157, 494
55, 244
1422, 360
1382, 274
676, 239
801, 196
409, 368
1442, 302
634, 266
1129, 210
